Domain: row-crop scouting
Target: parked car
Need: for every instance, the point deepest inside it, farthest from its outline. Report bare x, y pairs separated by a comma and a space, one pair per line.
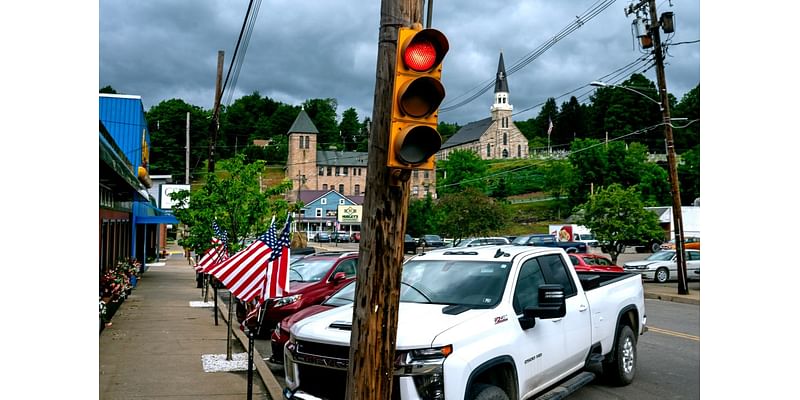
663, 266
409, 245
311, 280
341, 237
547, 240
691, 242
593, 263
300, 252
322, 236
482, 241
355, 237
431, 241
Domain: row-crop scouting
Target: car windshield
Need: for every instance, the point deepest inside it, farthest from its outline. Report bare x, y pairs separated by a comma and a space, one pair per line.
433, 238
661, 256
409, 238
310, 270
477, 284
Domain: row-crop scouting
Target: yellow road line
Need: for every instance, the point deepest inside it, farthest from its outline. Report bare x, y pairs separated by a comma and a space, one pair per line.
673, 333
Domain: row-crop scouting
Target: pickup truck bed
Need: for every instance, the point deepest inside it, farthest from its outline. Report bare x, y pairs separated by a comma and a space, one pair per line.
594, 280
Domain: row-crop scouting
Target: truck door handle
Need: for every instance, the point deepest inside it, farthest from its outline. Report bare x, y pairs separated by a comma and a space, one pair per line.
582, 308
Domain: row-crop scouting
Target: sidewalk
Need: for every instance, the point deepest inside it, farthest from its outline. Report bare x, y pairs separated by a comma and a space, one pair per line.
155, 346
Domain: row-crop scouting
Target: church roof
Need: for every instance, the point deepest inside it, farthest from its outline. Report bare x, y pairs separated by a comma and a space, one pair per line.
468, 133
303, 124
500, 83
342, 158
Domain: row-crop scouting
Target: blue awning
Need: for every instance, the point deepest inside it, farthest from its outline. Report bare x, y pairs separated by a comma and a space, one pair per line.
157, 219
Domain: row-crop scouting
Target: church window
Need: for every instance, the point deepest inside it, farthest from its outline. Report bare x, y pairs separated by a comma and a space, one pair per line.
488, 150
519, 151
505, 138
505, 153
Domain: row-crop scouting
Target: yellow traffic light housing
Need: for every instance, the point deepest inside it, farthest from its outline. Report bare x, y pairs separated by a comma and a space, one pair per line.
417, 94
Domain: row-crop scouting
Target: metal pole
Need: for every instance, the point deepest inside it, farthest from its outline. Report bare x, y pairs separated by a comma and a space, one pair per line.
250, 344
430, 14
229, 355
677, 215
188, 114
216, 308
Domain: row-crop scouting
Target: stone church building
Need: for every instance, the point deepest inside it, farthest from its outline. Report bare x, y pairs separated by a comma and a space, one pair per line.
495, 137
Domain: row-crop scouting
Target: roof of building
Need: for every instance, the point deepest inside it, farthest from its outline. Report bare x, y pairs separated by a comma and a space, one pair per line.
468, 133
310, 196
303, 124
500, 83
342, 158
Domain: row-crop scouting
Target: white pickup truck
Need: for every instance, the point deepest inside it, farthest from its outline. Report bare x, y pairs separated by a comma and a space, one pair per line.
491, 322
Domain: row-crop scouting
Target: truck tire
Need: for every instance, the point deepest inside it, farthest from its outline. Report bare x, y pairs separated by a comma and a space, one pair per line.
487, 392
655, 247
622, 369
661, 275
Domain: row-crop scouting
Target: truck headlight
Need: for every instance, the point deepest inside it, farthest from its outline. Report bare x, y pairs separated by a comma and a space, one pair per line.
282, 301
430, 386
433, 355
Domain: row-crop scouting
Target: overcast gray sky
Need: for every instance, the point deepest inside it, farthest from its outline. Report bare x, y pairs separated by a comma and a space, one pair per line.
327, 48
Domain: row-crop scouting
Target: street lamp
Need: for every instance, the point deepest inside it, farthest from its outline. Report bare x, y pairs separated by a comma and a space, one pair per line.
677, 215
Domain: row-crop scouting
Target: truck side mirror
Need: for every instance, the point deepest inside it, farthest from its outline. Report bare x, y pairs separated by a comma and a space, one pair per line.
339, 276
552, 303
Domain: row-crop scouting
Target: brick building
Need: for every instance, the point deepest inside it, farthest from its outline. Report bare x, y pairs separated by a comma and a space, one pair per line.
495, 137
342, 171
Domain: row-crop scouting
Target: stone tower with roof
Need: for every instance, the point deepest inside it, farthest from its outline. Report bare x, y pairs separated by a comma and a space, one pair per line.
496, 137
302, 159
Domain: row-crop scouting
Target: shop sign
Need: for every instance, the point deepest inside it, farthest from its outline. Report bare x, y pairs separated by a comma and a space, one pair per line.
349, 214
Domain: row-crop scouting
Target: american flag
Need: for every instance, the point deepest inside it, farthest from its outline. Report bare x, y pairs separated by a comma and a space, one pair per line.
550, 128
252, 273
218, 251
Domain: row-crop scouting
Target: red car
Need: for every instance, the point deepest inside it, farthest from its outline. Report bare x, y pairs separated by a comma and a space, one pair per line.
593, 263
311, 280
280, 334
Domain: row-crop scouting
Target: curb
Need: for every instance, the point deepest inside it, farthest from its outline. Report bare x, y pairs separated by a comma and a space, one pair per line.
674, 299
274, 389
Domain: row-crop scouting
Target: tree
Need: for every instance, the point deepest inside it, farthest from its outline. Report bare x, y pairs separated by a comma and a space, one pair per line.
423, 216
323, 114
470, 212
688, 137
234, 199
167, 124
617, 216
559, 176
590, 161
570, 123
350, 129
463, 169
689, 175
108, 89
447, 130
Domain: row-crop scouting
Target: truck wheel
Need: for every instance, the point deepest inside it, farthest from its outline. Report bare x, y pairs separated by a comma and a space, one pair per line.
488, 392
622, 370
661, 276
655, 247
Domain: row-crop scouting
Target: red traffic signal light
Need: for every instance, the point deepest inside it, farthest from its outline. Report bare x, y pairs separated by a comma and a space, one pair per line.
417, 94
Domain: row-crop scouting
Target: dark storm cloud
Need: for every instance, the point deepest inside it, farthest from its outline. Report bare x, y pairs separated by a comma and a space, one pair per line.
328, 48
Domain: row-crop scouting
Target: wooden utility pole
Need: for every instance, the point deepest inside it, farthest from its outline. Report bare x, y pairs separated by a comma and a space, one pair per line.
377, 297
215, 116
677, 215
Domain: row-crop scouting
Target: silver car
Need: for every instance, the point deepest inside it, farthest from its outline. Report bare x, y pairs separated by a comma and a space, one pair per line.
482, 241
663, 266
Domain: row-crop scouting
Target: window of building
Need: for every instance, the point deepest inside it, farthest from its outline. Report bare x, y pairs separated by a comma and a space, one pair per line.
357, 190
505, 153
415, 190
488, 150
344, 171
341, 201
338, 171
308, 142
505, 138
415, 174
324, 186
318, 212
321, 171
519, 151
323, 201
427, 190
330, 171
341, 189
427, 174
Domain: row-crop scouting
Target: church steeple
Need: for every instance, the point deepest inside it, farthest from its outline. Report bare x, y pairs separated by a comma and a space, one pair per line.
500, 83
500, 90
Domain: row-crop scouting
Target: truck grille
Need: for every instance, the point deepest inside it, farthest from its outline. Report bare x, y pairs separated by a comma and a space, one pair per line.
324, 350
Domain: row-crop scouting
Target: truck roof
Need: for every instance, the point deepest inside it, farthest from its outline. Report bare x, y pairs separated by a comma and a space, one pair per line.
485, 252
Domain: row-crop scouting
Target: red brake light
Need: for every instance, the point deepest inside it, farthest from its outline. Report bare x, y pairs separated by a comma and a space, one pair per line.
420, 56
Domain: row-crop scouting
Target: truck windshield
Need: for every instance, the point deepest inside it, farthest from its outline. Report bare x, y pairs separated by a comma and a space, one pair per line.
477, 284
306, 270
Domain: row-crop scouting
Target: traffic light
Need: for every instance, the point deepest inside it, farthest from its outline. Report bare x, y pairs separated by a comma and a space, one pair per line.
417, 94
